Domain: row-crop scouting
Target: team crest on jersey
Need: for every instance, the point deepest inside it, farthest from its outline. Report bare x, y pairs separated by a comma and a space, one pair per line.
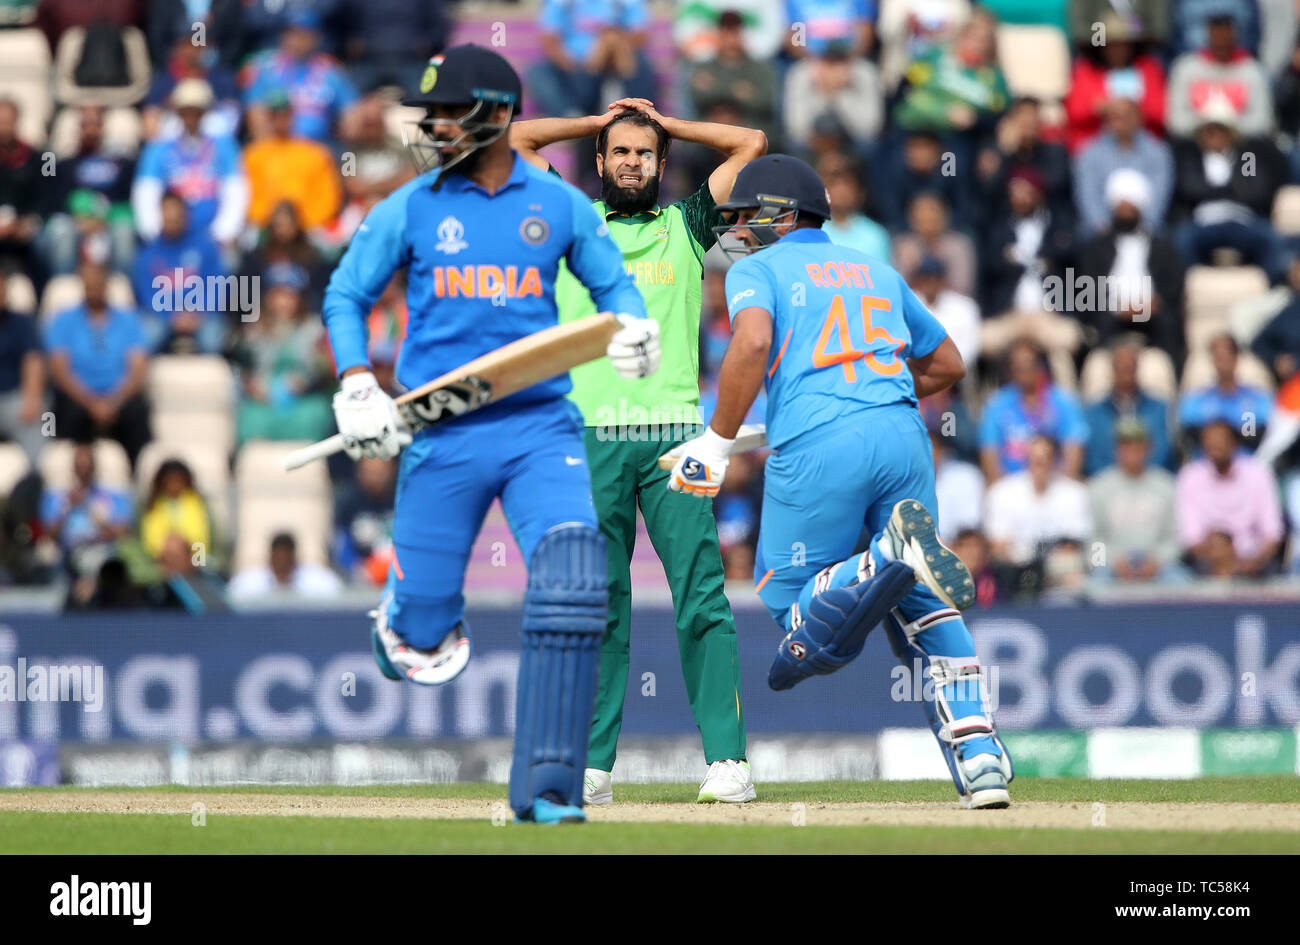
534, 230
661, 234
450, 233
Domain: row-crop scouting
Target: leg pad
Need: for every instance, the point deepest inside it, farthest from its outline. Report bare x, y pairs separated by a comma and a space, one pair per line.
565, 611
835, 628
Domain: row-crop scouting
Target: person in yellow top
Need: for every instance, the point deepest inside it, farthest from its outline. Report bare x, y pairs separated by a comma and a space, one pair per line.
284, 167
174, 507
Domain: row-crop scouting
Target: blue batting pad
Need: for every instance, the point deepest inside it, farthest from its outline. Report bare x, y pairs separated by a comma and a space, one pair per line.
565, 610
835, 628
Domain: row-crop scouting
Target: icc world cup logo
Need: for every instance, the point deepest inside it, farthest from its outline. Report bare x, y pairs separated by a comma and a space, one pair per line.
451, 234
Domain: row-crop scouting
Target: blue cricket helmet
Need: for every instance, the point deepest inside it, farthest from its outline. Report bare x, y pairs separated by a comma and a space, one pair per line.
779, 187
468, 75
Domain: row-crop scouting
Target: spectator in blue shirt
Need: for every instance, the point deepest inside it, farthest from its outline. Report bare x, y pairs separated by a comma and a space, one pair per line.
849, 225
86, 521
586, 43
97, 356
184, 61
180, 254
319, 88
1030, 405
205, 170
1126, 399
1245, 408
815, 25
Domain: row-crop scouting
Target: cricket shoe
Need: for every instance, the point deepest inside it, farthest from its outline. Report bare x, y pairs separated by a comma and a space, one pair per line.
397, 659
550, 808
913, 540
985, 779
730, 781
597, 787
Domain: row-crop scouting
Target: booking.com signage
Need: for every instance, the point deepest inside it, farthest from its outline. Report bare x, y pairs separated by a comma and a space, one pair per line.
291, 677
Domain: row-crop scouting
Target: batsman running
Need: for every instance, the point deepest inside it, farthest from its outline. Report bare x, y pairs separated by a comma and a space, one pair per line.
630, 423
482, 233
845, 350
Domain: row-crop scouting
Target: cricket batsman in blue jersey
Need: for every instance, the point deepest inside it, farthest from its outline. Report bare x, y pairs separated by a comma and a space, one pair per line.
481, 233
845, 350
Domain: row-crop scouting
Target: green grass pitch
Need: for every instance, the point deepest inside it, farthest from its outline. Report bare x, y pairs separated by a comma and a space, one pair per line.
78, 832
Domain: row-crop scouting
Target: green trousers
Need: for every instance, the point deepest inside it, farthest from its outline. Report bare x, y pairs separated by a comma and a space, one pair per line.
624, 474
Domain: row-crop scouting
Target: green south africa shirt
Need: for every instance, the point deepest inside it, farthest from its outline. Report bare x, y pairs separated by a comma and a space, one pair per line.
663, 251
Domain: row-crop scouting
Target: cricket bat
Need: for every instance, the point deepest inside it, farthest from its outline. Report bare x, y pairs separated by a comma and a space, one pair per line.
497, 374
748, 437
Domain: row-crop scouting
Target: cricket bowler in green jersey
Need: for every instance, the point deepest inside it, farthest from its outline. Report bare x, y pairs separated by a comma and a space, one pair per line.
629, 425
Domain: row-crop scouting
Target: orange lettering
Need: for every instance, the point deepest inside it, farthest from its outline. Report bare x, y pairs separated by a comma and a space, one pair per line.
489, 281
532, 284
460, 281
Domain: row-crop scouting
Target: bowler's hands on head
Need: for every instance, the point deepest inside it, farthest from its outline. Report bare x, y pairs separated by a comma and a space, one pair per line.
634, 349
642, 105
702, 464
367, 418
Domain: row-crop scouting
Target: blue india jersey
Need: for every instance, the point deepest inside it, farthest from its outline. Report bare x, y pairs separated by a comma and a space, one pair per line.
843, 326
480, 270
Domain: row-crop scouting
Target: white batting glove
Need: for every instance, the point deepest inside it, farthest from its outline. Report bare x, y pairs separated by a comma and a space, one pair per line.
702, 465
367, 418
634, 349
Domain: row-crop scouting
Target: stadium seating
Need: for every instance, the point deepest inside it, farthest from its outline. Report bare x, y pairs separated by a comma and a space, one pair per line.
21, 294
122, 131
1199, 371
25, 77
112, 468
1035, 61
66, 90
193, 398
65, 292
1156, 374
269, 501
1286, 210
1210, 293
14, 464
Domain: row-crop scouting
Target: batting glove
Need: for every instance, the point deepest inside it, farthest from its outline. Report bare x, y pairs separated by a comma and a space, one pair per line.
634, 349
367, 418
702, 465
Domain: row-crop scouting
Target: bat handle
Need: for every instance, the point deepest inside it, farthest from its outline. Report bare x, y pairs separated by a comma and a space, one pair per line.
307, 454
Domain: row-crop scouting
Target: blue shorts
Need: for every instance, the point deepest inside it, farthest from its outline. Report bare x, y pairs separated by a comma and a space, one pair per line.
822, 489
531, 456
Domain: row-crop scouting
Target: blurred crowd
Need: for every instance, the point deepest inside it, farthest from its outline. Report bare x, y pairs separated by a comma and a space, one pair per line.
1100, 200
1097, 200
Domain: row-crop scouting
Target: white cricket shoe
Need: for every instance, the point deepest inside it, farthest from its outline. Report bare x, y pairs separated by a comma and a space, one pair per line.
597, 787
730, 781
914, 541
986, 782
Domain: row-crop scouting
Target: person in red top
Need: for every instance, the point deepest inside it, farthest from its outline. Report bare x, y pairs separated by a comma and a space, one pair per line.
1119, 68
